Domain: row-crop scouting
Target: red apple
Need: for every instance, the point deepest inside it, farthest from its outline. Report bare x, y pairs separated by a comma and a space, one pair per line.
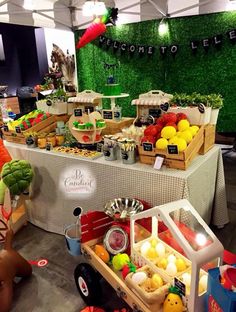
181, 116
161, 121
170, 117
172, 125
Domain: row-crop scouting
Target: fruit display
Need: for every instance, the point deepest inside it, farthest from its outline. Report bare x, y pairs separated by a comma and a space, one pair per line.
29, 120
202, 286
170, 129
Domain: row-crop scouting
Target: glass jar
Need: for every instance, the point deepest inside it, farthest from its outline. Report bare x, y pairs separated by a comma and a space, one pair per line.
51, 138
60, 139
42, 141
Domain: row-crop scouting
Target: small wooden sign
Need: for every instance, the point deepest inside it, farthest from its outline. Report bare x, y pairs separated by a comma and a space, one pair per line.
89, 109
78, 112
107, 114
181, 286
172, 149
154, 112
5, 128
147, 147
18, 129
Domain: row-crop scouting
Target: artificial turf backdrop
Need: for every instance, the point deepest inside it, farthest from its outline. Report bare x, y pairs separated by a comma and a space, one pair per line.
205, 72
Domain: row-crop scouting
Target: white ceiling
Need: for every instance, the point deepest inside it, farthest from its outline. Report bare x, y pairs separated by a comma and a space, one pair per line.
67, 13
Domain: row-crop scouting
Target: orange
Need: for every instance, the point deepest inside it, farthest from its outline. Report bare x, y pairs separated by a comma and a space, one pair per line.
102, 253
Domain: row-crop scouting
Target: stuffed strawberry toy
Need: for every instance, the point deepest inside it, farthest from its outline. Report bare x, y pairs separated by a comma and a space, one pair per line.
128, 268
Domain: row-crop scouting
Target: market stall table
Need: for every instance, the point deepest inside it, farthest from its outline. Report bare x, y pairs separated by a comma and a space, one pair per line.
64, 182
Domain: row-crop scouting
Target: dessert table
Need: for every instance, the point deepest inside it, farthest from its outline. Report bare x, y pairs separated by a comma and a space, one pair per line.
63, 182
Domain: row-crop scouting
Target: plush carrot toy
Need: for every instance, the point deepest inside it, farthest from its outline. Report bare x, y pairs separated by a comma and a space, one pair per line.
98, 27
4, 155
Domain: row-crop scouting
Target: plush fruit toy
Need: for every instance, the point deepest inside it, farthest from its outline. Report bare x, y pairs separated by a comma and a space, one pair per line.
170, 117
173, 301
118, 261
4, 155
127, 268
102, 253
168, 132
161, 144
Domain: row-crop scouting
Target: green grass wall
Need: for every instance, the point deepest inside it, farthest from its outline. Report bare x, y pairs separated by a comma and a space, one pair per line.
205, 72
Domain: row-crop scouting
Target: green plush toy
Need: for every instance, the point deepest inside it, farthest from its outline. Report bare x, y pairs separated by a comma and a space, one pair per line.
17, 176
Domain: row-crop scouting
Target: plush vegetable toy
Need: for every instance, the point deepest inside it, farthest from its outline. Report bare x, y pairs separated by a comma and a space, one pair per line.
17, 176
4, 155
98, 27
12, 264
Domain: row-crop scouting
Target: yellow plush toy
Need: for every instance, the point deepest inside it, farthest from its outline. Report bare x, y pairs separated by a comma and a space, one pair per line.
173, 301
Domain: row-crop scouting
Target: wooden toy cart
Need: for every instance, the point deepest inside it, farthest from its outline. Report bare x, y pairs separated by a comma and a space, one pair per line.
176, 225
94, 226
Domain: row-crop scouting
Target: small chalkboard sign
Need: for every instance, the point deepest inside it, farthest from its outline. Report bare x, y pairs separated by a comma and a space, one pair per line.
18, 129
201, 108
147, 147
89, 109
99, 147
78, 112
172, 149
107, 114
181, 286
164, 107
155, 112
48, 147
117, 115
5, 128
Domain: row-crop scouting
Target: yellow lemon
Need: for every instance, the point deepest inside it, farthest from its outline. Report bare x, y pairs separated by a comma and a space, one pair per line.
194, 130
151, 253
156, 281
182, 144
183, 125
186, 135
168, 132
172, 141
162, 263
161, 143
180, 265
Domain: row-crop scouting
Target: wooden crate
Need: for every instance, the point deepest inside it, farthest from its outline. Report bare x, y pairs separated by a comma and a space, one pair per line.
113, 126
209, 139
46, 126
176, 161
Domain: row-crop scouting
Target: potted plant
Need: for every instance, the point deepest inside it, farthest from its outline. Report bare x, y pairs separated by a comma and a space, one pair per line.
216, 103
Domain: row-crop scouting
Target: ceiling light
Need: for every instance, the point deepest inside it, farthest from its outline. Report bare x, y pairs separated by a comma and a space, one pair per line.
91, 8
28, 5
163, 28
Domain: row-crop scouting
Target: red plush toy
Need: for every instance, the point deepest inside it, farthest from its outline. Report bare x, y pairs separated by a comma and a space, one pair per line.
4, 155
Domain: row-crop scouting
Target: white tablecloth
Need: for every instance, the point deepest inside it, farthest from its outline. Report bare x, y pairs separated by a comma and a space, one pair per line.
63, 182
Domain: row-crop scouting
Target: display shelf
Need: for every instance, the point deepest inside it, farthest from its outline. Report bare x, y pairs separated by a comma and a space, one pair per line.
114, 97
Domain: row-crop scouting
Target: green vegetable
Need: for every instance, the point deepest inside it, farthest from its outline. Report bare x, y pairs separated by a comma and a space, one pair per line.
17, 176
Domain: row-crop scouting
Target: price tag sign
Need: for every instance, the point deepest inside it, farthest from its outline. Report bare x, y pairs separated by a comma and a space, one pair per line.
181, 286
48, 147
148, 147
158, 163
107, 114
154, 112
172, 149
78, 112
117, 115
5, 128
89, 109
18, 129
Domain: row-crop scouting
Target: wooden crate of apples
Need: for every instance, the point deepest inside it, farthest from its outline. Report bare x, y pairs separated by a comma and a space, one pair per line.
173, 138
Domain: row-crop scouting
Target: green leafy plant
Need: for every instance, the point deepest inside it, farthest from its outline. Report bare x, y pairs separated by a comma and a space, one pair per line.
215, 100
